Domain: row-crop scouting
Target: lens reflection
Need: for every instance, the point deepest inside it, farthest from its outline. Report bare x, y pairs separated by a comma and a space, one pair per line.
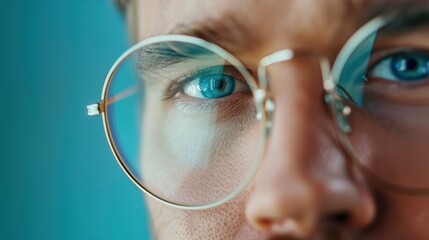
385, 81
195, 136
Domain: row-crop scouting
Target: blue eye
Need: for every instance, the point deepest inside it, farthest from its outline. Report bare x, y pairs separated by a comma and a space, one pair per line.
404, 67
410, 66
216, 85
212, 86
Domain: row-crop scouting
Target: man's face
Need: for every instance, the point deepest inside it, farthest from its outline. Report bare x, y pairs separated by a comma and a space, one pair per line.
305, 182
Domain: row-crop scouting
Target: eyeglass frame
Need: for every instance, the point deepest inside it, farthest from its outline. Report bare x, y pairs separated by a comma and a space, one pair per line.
265, 104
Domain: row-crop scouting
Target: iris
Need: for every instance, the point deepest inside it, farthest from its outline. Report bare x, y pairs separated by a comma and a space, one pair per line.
410, 66
216, 85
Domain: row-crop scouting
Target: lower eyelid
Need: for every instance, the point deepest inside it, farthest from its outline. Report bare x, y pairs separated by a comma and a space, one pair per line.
226, 108
399, 92
190, 107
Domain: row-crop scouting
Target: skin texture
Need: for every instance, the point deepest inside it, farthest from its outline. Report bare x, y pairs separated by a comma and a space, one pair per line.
305, 183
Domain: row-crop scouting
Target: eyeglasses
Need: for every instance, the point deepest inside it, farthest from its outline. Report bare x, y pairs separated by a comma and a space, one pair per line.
188, 122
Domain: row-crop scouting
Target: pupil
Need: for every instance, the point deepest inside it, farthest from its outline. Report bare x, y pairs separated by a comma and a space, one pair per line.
406, 67
406, 64
411, 64
218, 84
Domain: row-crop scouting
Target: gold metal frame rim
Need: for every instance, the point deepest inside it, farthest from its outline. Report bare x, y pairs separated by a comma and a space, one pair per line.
363, 33
215, 49
333, 74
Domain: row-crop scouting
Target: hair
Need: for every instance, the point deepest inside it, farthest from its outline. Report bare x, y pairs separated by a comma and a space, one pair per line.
128, 10
122, 4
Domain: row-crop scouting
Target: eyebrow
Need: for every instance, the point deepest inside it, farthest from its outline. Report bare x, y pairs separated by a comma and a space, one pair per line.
230, 33
376, 8
414, 15
154, 59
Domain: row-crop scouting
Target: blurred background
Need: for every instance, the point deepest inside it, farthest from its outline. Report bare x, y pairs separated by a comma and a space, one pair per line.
59, 179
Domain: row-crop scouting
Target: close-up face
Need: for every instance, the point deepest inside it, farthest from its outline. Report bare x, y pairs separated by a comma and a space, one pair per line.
294, 119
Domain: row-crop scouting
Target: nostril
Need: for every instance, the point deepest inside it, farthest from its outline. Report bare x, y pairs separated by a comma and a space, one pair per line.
340, 217
265, 222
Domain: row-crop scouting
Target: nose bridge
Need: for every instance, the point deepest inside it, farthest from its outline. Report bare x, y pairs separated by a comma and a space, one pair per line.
289, 54
294, 83
304, 174
297, 61
300, 121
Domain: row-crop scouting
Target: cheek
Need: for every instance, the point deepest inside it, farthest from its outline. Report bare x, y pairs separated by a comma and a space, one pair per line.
197, 159
393, 148
414, 213
403, 217
222, 222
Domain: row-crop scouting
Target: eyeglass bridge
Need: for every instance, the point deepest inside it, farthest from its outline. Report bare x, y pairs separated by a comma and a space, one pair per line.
342, 111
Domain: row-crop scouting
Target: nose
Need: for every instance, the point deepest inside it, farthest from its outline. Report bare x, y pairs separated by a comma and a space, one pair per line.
305, 182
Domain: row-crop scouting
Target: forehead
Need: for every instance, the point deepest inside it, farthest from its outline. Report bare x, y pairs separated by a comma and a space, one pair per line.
161, 16
322, 24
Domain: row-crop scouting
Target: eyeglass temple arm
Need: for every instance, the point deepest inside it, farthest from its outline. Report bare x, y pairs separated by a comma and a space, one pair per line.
99, 107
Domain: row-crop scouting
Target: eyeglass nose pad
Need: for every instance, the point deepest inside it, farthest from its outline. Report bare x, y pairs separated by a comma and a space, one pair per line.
341, 113
265, 109
269, 108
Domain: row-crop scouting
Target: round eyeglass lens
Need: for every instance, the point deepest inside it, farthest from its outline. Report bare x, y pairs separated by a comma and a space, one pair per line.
383, 82
182, 120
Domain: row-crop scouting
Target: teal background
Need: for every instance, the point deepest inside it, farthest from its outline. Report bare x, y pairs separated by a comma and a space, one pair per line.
59, 179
